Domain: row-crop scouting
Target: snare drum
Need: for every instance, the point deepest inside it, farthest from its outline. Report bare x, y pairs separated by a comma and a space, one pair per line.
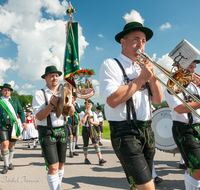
162, 127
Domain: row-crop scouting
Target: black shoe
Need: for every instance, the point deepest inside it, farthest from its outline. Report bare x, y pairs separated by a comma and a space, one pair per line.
10, 167
29, 146
100, 144
76, 147
87, 161
102, 161
75, 154
158, 180
5, 170
35, 146
182, 166
71, 155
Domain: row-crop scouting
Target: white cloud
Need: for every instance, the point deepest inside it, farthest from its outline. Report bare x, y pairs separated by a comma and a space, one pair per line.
100, 35
40, 42
98, 48
5, 65
82, 43
165, 26
23, 92
166, 62
4, 42
54, 7
95, 82
28, 86
15, 87
97, 90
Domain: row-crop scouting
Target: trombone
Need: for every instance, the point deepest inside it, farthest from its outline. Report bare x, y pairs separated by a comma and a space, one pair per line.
171, 80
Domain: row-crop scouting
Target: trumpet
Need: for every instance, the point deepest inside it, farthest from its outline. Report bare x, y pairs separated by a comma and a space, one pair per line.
173, 83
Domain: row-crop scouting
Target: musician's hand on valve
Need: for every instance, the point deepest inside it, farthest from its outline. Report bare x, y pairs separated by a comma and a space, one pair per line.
196, 81
146, 72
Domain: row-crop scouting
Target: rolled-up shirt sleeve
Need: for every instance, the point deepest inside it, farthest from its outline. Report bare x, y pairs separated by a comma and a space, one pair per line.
109, 78
38, 102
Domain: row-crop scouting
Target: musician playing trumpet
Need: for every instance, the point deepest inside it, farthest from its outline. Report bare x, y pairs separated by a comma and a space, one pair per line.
131, 134
53, 132
186, 131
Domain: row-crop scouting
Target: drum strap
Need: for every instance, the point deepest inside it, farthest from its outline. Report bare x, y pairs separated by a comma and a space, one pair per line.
129, 103
49, 123
189, 114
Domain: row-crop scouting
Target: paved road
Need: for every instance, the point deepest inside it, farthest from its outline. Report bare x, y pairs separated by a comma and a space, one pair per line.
30, 173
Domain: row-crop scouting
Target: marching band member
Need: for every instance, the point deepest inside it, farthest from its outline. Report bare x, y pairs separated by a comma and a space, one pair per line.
73, 127
53, 132
87, 133
186, 131
99, 128
9, 108
132, 137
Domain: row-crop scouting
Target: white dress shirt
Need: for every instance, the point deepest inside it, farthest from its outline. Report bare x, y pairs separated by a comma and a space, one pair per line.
99, 116
39, 104
111, 78
93, 116
173, 102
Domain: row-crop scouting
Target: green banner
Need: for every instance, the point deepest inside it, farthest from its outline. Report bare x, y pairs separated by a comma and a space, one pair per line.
71, 61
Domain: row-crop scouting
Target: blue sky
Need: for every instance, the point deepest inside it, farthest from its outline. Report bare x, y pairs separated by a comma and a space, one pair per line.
32, 35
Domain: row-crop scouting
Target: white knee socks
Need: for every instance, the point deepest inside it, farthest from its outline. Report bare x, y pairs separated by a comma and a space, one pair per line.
70, 145
154, 175
11, 154
73, 145
53, 181
5, 156
60, 175
190, 182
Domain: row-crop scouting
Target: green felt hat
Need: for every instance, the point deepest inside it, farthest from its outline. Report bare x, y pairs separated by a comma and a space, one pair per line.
51, 69
196, 61
6, 85
28, 110
99, 108
131, 26
90, 101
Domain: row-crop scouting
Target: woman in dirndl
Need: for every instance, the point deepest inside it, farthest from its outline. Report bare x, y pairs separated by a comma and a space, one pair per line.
31, 134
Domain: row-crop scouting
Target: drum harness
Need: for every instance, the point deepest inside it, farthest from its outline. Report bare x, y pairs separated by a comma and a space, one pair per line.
130, 109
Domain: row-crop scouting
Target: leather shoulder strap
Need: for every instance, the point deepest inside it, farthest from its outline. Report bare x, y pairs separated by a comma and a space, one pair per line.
49, 123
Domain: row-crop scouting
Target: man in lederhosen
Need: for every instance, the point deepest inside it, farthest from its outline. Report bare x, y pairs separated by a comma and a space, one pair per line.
87, 124
73, 122
9, 129
53, 132
186, 130
128, 106
99, 128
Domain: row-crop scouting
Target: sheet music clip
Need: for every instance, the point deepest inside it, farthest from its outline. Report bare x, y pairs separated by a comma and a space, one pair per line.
184, 54
179, 60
